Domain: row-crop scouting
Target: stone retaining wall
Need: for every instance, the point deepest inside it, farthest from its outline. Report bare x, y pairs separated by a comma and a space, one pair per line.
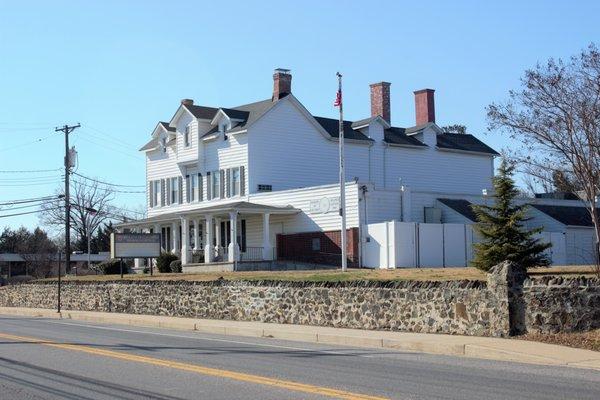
558, 304
506, 304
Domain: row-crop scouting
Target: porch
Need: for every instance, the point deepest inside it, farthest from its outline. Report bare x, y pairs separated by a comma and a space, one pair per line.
234, 236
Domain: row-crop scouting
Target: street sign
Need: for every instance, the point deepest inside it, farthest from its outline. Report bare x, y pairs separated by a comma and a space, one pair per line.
134, 245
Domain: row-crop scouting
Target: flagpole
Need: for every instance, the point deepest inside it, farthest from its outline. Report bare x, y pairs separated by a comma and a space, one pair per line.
342, 176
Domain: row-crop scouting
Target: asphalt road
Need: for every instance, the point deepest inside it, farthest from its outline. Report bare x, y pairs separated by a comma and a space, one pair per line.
58, 359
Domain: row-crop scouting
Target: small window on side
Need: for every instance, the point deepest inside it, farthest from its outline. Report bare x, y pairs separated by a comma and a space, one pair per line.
316, 244
186, 136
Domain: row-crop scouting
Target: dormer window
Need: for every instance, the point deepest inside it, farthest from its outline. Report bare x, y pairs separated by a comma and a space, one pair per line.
163, 144
223, 129
186, 136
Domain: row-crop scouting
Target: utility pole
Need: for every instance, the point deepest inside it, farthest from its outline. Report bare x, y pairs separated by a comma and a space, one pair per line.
66, 129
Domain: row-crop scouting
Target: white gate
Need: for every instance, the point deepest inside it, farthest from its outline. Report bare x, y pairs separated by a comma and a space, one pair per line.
455, 249
431, 245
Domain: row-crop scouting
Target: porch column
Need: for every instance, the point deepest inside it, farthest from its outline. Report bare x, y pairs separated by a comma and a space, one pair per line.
137, 262
196, 234
267, 248
175, 237
233, 246
208, 247
185, 240
157, 229
217, 233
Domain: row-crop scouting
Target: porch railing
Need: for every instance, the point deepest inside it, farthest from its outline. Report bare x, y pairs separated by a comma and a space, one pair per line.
252, 254
222, 254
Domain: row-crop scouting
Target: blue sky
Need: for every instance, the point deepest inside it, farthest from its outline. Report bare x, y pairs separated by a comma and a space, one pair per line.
120, 66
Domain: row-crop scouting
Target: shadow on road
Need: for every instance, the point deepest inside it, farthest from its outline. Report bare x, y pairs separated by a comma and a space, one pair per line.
69, 386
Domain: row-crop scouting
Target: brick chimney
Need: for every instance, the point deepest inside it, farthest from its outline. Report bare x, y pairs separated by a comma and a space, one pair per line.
282, 83
424, 106
187, 102
380, 100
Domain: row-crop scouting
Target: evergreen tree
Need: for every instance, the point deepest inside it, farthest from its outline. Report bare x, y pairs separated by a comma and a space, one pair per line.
501, 227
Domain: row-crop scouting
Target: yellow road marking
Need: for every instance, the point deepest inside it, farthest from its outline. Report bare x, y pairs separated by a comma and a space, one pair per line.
221, 373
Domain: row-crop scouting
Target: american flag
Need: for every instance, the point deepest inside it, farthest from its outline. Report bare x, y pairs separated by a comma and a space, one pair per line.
338, 99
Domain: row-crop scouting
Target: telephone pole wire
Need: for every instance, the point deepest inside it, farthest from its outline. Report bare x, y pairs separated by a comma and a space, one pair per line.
66, 129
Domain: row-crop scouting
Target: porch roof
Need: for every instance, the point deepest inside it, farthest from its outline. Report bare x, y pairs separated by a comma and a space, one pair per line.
239, 206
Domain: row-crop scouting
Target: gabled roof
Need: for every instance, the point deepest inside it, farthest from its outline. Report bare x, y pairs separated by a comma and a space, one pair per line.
154, 142
399, 137
166, 126
332, 126
463, 142
247, 114
463, 207
567, 215
201, 112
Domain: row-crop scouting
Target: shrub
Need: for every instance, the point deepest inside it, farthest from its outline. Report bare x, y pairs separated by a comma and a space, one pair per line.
176, 266
113, 267
163, 262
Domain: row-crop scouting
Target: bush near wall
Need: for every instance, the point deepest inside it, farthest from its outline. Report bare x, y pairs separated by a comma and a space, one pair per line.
113, 267
163, 262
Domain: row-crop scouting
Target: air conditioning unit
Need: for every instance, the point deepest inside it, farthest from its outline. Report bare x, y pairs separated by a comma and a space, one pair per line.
433, 215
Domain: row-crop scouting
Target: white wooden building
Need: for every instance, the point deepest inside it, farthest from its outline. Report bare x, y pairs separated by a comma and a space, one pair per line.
246, 186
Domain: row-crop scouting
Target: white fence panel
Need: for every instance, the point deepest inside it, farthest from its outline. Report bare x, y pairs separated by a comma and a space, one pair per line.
405, 242
455, 249
431, 245
375, 245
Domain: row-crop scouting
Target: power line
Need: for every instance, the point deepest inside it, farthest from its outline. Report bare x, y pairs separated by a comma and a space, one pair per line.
30, 178
105, 183
108, 147
27, 143
109, 188
27, 212
28, 200
27, 171
111, 136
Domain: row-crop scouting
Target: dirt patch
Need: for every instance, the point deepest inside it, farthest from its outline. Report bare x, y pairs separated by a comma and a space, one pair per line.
581, 340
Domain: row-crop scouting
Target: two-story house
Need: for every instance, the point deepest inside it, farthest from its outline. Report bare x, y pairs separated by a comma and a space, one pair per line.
259, 182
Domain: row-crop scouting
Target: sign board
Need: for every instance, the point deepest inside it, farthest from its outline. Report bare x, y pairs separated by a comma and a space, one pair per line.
325, 205
134, 245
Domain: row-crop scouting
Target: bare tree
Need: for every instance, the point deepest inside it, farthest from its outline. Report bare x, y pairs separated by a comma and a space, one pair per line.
556, 118
90, 208
38, 251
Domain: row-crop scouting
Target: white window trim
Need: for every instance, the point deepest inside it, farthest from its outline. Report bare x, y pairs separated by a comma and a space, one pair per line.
187, 136
215, 177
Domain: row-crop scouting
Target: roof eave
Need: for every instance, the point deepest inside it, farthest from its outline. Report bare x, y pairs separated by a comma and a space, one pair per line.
412, 146
480, 153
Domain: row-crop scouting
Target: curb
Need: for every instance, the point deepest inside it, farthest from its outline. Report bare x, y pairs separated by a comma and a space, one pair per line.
450, 345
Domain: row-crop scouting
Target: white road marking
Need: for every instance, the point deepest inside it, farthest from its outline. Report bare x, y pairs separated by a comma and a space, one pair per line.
339, 353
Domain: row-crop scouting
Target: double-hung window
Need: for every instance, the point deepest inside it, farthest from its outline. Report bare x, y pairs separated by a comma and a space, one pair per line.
163, 144
174, 190
191, 184
186, 136
216, 184
156, 193
235, 181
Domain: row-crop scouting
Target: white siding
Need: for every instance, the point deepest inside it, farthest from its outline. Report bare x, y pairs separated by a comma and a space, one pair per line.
580, 243
382, 205
436, 170
307, 221
190, 152
287, 151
